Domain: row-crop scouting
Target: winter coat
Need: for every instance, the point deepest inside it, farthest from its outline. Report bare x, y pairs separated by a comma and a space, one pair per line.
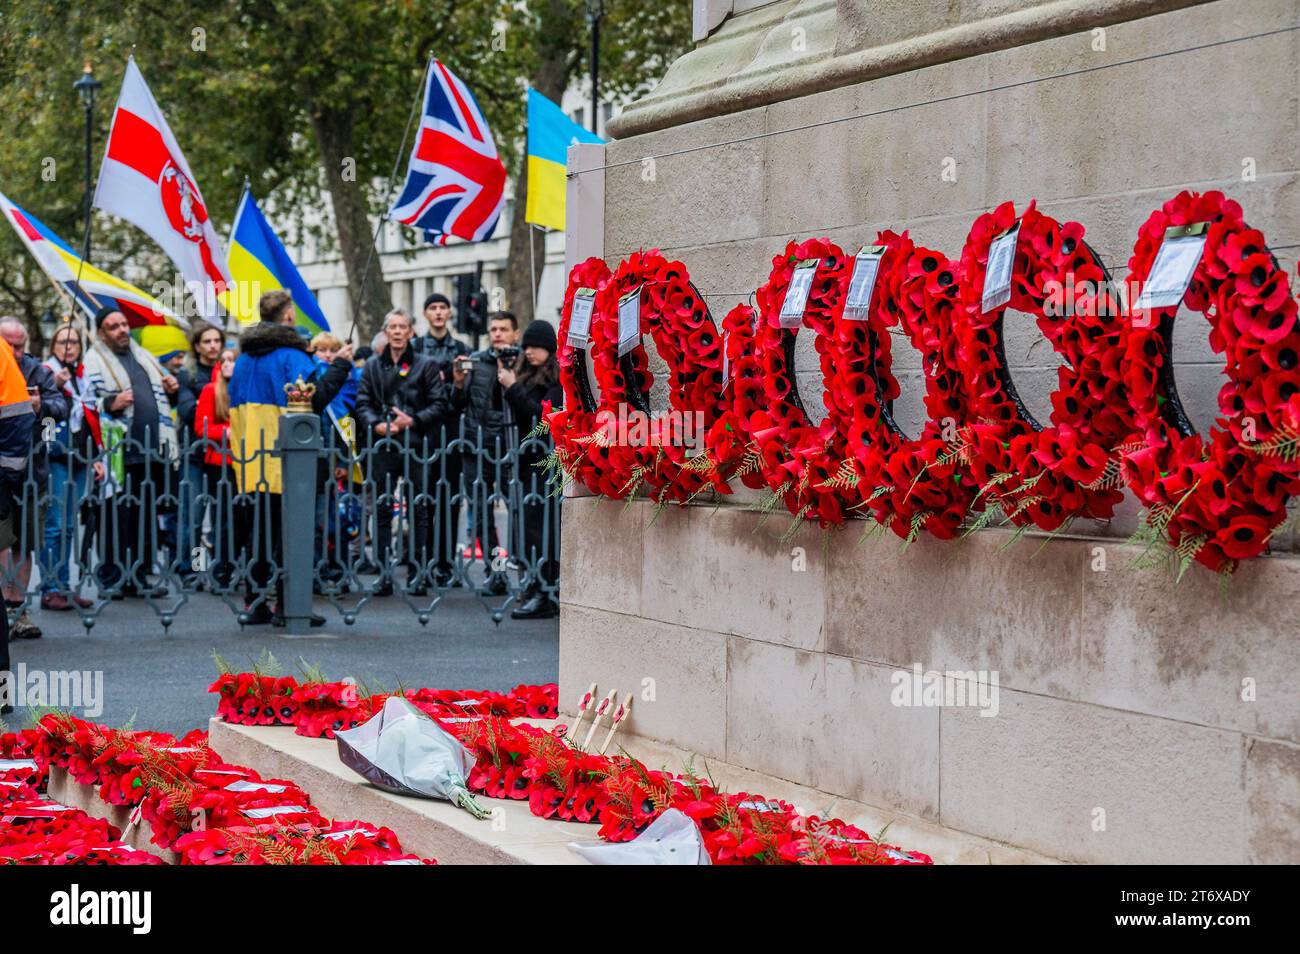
208, 427
413, 385
270, 357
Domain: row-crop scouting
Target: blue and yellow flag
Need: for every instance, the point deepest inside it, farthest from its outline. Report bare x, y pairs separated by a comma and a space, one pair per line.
155, 327
259, 264
550, 133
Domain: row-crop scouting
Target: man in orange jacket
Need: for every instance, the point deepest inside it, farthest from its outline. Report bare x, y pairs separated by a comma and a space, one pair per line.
16, 421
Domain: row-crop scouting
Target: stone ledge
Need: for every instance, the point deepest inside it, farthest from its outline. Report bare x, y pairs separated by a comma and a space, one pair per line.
693, 88
431, 829
438, 830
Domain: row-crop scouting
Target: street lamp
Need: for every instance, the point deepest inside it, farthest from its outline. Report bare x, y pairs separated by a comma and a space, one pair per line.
595, 13
87, 86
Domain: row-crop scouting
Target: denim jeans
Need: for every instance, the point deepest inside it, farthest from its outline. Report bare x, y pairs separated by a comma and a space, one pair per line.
67, 486
182, 530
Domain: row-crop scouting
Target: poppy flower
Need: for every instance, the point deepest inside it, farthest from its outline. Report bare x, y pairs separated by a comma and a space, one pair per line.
1244, 536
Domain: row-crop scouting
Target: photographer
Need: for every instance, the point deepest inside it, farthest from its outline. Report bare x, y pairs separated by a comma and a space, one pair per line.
534, 381
488, 419
401, 397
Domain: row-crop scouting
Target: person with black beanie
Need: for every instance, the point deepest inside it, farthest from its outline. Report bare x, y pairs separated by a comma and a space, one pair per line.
443, 348
438, 342
529, 386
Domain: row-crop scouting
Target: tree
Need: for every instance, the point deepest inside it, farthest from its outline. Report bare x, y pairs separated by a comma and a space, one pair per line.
304, 97
639, 41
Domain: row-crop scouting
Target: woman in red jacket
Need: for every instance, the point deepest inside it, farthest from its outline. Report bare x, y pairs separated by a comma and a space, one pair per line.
212, 424
212, 418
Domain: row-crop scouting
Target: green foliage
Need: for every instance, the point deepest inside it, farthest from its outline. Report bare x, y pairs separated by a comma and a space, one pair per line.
915, 527
1152, 535
1284, 444
844, 478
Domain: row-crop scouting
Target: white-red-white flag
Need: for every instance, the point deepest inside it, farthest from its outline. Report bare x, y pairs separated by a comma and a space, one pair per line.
146, 180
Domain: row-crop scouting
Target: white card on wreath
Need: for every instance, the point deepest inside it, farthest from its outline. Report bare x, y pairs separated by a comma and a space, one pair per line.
273, 811
726, 362
1172, 271
346, 833
584, 303
629, 321
246, 786
866, 266
997, 277
796, 294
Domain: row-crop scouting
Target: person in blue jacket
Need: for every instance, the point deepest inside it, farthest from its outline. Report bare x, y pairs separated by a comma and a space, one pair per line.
271, 355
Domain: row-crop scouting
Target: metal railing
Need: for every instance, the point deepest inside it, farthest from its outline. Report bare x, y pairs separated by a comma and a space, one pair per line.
402, 519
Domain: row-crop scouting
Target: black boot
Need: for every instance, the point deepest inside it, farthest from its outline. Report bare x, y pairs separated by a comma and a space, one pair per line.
279, 622
258, 615
539, 606
495, 585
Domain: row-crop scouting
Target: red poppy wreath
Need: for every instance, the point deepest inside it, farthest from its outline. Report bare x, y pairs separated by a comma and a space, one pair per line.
1045, 476
1217, 499
801, 462
581, 448
673, 313
729, 454
921, 483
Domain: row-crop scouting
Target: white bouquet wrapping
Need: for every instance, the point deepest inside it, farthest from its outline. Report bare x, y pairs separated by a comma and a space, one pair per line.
671, 839
402, 750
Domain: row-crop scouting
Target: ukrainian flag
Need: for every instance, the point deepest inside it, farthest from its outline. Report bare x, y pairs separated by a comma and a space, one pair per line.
550, 133
156, 328
259, 264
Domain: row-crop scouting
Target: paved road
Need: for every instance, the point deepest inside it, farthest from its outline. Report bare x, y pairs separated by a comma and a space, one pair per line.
161, 679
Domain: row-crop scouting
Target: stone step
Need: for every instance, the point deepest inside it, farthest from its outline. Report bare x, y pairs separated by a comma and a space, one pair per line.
514, 835
426, 827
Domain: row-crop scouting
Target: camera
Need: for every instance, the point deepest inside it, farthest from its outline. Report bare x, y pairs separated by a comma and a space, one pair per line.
507, 355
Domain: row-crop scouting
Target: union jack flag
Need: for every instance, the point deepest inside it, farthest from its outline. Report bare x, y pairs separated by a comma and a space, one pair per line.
455, 181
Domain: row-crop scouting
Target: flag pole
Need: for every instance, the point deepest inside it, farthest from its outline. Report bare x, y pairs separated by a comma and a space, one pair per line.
85, 252
532, 261
235, 289
388, 195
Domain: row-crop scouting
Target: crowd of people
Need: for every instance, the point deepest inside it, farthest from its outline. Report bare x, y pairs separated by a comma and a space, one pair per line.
110, 451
